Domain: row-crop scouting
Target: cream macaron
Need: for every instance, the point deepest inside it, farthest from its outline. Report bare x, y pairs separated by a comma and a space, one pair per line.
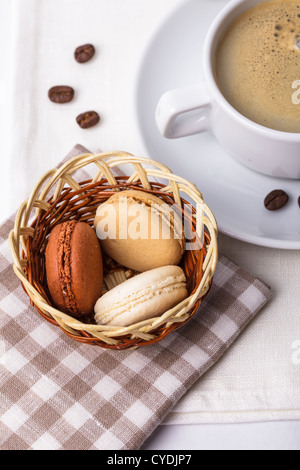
140, 231
147, 295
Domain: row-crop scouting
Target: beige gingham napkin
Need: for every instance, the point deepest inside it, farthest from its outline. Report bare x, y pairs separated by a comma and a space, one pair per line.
57, 394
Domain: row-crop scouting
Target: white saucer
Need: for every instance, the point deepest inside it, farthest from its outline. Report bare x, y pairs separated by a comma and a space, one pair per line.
234, 193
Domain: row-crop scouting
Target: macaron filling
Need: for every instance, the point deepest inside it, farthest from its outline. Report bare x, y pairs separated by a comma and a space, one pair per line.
64, 266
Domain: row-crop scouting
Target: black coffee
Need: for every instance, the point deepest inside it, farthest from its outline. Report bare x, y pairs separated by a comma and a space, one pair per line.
257, 65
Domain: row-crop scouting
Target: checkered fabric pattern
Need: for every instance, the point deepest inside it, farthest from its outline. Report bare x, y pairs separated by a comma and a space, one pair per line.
57, 394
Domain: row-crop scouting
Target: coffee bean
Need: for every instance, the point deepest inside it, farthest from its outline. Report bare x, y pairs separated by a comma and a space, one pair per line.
61, 94
299, 201
84, 53
276, 200
88, 119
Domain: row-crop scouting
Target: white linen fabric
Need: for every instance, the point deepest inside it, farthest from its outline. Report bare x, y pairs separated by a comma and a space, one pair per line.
259, 379
60, 394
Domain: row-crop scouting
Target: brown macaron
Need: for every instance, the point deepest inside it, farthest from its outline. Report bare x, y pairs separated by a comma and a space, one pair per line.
74, 268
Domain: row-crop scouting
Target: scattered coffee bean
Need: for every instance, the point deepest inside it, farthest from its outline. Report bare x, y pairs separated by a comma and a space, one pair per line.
299, 201
84, 53
276, 200
88, 119
61, 94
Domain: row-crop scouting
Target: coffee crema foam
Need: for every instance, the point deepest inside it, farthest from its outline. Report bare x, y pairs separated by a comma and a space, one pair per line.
258, 61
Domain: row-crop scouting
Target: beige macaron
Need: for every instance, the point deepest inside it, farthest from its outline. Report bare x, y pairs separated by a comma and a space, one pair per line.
147, 295
140, 231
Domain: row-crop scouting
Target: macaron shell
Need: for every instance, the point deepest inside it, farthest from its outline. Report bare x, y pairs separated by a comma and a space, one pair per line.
147, 255
85, 271
148, 250
52, 269
147, 295
86, 268
151, 308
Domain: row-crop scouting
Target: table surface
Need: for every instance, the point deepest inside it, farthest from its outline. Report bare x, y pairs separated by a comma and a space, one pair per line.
268, 435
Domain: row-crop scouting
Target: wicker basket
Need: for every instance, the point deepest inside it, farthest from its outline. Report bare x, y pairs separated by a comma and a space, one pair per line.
58, 197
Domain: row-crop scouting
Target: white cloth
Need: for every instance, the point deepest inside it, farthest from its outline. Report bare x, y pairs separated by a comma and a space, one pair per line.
257, 380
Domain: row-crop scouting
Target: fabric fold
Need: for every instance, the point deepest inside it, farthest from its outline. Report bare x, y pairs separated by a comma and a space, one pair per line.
60, 394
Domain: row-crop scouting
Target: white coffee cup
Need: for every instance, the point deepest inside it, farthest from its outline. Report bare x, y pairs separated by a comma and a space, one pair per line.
188, 111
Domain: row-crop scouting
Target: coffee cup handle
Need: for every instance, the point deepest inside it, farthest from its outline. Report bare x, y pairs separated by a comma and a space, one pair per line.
183, 112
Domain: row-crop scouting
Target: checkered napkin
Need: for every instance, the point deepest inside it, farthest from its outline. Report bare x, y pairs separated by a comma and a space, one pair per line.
57, 394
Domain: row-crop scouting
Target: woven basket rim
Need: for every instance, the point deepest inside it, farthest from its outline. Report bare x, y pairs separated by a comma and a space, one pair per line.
61, 182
